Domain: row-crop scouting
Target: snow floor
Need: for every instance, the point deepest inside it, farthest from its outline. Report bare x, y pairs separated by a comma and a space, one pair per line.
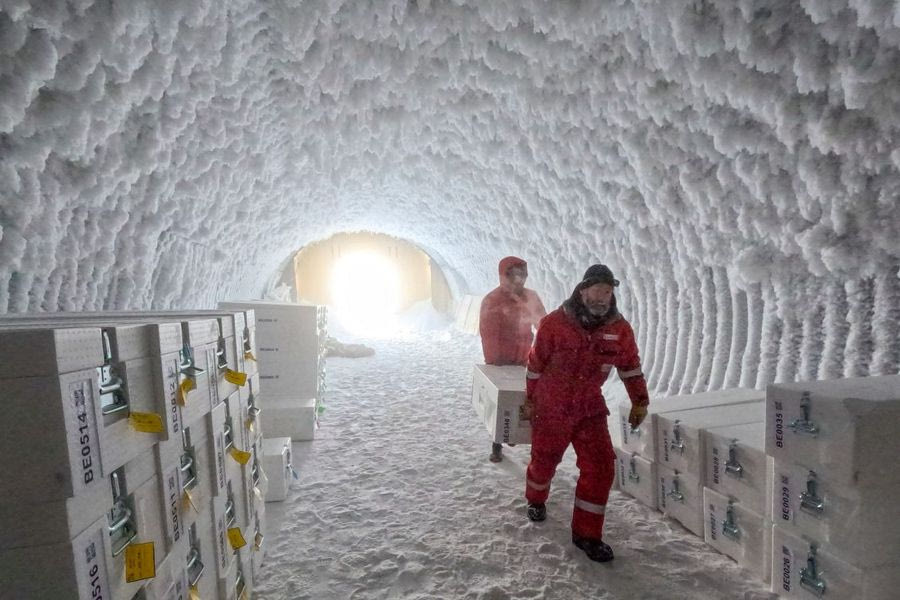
397, 499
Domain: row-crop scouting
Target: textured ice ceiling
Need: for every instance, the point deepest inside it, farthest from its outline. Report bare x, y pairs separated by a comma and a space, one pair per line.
736, 162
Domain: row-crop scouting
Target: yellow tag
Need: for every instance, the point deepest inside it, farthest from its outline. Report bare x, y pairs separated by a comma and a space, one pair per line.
140, 562
235, 377
244, 595
250, 424
239, 455
249, 356
146, 422
258, 493
258, 540
186, 386
190, 500
195, 595
236, 538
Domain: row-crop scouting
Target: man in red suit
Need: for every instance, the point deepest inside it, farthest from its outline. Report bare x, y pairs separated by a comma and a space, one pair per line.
576, 347
508, 314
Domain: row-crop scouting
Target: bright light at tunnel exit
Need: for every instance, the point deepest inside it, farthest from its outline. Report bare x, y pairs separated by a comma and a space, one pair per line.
365, 292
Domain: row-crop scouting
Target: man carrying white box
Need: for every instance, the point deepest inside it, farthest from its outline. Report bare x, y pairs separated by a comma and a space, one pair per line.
576, 347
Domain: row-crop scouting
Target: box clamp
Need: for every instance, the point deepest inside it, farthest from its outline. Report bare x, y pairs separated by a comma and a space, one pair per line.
732, 466
805, 425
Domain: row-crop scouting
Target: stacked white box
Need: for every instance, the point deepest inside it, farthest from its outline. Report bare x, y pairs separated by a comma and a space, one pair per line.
276, 462
295, 419
679, 443
803, 568
643, 439
290, 341
736, 531
737, 465
681, 497
498, 396
837, 521
99, 486
637, 476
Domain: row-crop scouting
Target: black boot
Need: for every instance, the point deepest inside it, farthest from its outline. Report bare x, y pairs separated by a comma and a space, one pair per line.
537, 511
496, 452
595, 549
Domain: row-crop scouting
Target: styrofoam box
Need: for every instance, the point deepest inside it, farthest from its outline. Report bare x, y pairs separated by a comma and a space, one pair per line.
223, 554
498, 395
180, 512
859, 523
737, 465
232, 584
50, 444
681, 497
738, 532
295, 419
236, 489
794, 554
42, 352
201, 536
171, 581
276, 461
643, 439
679, 443
246, 336
119, 441
855, 441
636, 476
77, 569
147, 517
287, 341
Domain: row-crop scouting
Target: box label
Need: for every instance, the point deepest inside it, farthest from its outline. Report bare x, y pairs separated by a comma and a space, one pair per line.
713, 526
778, 416
171, 389
220, 459
83, 434
172, 491
90, 560
787, 559
715, 465
140, 562
787, 513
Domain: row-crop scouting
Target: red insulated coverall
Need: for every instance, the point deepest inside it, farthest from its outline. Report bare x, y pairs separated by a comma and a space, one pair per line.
566, 368
506, 320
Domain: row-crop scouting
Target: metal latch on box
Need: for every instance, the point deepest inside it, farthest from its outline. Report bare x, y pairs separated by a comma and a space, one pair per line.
188, 470
122, 529
677, 442
804, 425
112, 395
187, 366
221, 355
194, 564
809, 576
675, 492
732, 466
632, 473
810, 500
729, 526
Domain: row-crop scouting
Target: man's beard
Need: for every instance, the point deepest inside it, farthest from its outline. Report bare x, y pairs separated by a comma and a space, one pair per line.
598, 309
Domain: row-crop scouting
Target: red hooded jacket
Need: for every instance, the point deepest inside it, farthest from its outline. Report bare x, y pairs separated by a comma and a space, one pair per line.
507, 318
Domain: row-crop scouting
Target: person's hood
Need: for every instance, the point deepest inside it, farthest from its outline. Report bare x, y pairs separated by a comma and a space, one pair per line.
507, 263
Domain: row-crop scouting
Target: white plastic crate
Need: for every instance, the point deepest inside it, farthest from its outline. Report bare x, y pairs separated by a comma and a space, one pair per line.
860, 523
643, 439
40, 352
679, 442
681, 497
845, 429
737, 464
738, 532
804, 568
637, 477
295, 419
276, 462
78, 567
498, 395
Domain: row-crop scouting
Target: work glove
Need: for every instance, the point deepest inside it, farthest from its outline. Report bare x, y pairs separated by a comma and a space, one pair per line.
528, 408
637, 416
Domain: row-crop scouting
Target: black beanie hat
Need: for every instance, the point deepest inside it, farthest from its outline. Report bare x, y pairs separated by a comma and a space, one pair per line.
598, 274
